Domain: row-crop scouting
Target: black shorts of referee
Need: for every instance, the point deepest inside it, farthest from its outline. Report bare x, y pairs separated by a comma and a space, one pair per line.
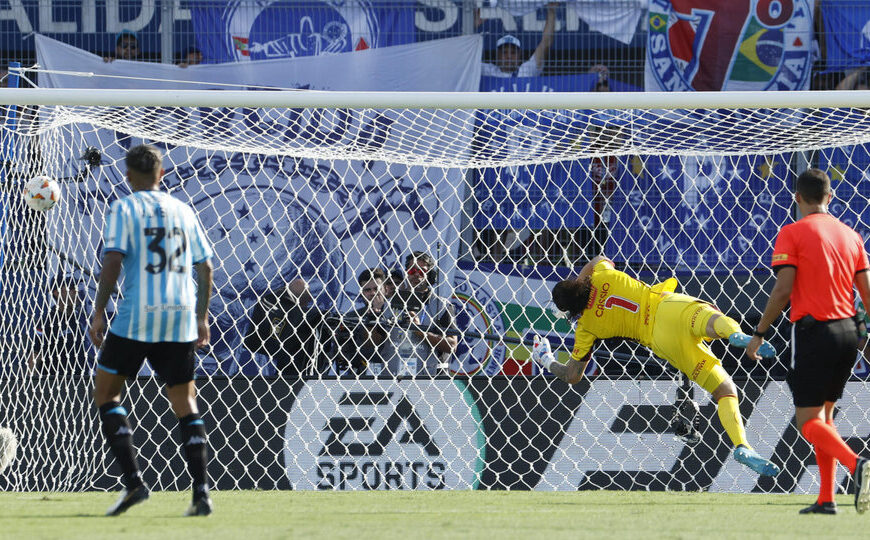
823, 354
172, 361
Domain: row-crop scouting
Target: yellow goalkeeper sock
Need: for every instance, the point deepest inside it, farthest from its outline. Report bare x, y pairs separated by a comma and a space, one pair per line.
729, 415
725, 326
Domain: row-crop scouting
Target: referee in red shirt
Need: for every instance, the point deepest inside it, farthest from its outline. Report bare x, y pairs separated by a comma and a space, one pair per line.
817, 261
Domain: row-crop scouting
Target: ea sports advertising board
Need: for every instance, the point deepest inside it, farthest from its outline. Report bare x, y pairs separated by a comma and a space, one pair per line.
384, 434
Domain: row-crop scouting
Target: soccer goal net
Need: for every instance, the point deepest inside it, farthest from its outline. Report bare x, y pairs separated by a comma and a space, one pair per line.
382, 262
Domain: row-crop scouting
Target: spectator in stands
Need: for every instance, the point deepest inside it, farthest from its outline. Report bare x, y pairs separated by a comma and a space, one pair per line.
821, 78
858, 79
286, 327
393, 279
509, 53
363, 350
126, 46
61, 346
192, 57
602, 83
420, 344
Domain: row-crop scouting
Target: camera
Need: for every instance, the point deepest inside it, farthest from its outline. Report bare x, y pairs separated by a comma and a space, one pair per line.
93, 156
406, 300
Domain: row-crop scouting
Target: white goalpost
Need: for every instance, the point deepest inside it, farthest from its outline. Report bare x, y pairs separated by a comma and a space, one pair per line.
507, 193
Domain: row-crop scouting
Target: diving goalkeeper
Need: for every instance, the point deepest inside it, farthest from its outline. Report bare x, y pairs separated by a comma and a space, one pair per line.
609, 303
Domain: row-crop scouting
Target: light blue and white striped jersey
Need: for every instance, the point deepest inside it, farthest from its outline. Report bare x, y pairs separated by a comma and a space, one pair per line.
161, 239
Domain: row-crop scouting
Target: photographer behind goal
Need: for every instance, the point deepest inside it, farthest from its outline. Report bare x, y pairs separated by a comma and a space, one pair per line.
361, 351
287, 327
418, 343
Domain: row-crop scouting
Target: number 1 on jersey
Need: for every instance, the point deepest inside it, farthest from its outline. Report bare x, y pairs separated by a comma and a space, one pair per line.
620, 302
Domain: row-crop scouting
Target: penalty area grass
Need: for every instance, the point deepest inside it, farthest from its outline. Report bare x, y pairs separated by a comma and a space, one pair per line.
245, 515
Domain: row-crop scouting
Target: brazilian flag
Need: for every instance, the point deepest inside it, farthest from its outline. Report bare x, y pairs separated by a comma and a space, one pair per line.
759, 54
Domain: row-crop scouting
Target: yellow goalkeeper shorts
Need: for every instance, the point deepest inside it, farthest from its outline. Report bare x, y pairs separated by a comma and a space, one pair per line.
673, 340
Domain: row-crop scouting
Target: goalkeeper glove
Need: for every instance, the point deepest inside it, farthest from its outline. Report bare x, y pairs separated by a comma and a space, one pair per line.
541, 353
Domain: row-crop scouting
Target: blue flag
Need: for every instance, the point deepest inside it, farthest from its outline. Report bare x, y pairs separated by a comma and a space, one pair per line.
554, 195
847, 35
850, 178
584, 82
701, 212
241, 30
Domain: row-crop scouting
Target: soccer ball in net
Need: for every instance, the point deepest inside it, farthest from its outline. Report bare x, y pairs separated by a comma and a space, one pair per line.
41, 193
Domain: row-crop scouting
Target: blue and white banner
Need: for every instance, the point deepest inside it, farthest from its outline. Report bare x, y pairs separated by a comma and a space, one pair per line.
711, 45
584, 82
244, 30
847, 33
551, 196
555, 195
849, 169
241, 30
274, 26
477, 310
701, 212
274, 218
95, 25
614, 18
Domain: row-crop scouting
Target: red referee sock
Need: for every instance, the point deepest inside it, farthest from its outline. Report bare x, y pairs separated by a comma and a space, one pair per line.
825, 438
827, 472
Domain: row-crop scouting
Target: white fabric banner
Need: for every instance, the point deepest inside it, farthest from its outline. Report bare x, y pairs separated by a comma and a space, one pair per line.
617, 19
444, 65
275, 218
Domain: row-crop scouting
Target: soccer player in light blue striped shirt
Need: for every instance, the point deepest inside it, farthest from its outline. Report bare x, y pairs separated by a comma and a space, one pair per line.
160, 240
156, 242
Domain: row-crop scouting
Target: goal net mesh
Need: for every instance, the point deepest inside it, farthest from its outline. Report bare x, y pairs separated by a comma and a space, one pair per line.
345, 394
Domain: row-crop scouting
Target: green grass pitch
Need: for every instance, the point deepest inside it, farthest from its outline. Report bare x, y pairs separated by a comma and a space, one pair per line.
250, 515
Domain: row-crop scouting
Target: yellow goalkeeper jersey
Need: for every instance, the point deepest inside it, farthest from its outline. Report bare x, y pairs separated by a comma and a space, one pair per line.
619, 306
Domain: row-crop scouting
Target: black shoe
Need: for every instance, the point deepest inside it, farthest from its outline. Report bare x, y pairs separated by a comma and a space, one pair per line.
820, 508
862, 485
685, 422
128, 498
200, 507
